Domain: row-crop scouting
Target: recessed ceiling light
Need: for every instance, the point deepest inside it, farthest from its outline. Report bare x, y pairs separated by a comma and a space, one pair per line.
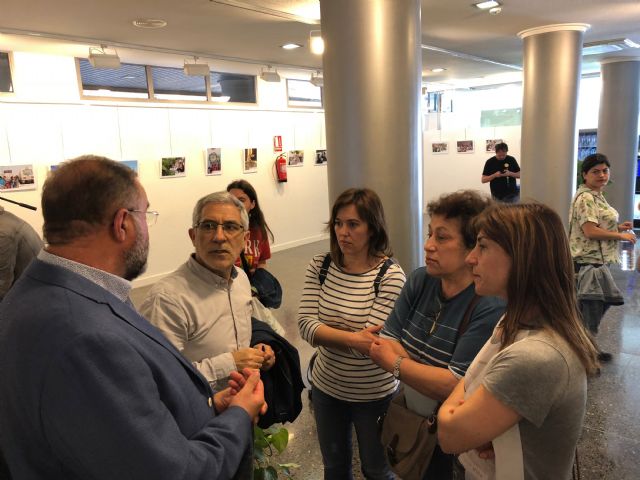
438, 70
487, 5
291, 46
129, 77
149, 23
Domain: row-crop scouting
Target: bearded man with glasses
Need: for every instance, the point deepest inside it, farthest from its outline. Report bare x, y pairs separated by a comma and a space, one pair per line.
204, 307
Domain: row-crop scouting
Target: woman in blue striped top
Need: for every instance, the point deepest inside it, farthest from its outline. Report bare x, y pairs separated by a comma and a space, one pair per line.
425, 344
343, 304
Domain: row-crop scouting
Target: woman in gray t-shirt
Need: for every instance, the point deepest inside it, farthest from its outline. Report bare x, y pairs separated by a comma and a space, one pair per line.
518, 412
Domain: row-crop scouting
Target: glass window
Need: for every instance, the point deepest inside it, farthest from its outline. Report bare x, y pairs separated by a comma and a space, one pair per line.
233, 87
172, 84
6, 85
128, 81
302, 93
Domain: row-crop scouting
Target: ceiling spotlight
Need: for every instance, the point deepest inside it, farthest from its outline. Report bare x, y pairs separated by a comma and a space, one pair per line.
100, 59
196, 69
149, 23
316, 43
268, 75
291, 46
487, 5
317, 79
495, 11
438, 70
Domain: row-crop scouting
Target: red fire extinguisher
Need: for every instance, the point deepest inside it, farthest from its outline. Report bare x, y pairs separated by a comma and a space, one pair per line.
281, 168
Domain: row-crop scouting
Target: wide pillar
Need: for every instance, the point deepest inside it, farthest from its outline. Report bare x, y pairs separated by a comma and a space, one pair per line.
552, 62
618, 129
372, 75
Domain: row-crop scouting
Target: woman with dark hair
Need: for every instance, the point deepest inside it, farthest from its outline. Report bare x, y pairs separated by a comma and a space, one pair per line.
594, 234
257, 250
348, 294
523, 397
426, 345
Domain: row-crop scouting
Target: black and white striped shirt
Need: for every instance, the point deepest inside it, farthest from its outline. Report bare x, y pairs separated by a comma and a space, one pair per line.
348, 301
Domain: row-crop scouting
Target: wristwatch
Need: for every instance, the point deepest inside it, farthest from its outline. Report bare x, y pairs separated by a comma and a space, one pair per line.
396, 366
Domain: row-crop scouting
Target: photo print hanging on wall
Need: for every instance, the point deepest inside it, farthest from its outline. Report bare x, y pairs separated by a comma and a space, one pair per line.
17, 177
296, 158
250, 160
491, 144
321, 157
213, 161
464, 146
439, 148
172, 167
132, 164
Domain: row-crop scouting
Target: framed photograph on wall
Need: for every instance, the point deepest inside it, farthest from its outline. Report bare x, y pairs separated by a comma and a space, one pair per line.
250, 160
132, 164
439, 148
295, 158
213, 161
171, 167
464, 146
321, 157
490, 145
17, 177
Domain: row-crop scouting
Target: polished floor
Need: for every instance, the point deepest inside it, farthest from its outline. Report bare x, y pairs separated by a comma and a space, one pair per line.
610, 445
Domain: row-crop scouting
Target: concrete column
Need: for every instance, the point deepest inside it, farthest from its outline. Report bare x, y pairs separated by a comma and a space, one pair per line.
618, 129
552, 62
372, 75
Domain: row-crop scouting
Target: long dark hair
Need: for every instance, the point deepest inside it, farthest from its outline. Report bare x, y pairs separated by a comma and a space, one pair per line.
256, 217
369, 208
540, 289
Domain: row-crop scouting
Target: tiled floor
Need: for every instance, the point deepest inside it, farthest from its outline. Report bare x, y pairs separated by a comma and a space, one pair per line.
610, 445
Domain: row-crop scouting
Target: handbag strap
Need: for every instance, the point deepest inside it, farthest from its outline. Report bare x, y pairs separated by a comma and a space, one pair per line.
245, 265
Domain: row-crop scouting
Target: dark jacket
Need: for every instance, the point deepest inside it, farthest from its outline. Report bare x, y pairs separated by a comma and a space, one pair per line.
283, 383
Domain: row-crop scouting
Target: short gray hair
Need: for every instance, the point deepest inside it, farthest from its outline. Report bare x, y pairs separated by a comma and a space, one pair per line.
223, 198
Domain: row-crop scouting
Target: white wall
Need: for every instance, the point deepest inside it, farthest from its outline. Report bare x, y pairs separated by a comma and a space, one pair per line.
45, 122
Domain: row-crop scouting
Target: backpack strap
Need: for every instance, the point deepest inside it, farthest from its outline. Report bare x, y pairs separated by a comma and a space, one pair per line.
324, 270
381, 273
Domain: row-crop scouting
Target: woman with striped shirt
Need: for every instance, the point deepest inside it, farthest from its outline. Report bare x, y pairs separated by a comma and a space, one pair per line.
344, 303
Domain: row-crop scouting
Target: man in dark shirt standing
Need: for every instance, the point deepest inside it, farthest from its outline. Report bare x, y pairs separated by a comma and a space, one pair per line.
501, 171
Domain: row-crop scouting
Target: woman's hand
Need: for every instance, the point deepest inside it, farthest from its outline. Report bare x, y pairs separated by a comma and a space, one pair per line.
361, 341
384, 352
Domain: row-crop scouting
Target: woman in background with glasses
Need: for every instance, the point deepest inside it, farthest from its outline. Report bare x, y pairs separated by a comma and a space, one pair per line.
421, 341
347, 296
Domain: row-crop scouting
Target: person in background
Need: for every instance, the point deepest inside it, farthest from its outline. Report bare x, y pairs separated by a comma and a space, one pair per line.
256, 249
594, 234
501, 172
204, 307
19, 244
89, 388
523, 398
422, 341
340, 310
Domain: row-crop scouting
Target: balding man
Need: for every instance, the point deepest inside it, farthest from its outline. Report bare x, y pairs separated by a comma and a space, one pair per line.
89, 388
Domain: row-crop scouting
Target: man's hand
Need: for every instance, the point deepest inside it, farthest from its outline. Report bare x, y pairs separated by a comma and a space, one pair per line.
628, 236
625, 226
269, 356
248, 358
251, 396
222, 399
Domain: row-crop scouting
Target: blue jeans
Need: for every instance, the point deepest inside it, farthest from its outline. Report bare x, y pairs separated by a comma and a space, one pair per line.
334, 419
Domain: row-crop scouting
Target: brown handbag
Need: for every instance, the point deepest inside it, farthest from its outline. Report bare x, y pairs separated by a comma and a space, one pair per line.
409, 439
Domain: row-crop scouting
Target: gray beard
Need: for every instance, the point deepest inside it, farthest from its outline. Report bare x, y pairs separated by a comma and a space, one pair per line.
135, 260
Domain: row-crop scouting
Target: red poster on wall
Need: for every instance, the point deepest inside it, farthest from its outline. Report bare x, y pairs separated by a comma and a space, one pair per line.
277, 143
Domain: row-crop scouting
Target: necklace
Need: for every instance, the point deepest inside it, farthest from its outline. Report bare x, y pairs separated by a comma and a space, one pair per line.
435, 316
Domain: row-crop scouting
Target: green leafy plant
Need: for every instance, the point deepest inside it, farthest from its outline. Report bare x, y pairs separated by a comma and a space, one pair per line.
267, 443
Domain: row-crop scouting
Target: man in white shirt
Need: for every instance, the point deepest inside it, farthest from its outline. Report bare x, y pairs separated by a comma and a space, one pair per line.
204, 307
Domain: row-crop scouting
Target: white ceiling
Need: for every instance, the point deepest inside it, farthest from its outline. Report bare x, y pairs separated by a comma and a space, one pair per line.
254, 30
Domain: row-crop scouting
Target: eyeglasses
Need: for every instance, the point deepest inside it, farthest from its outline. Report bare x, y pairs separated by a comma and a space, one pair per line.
151, 216
230, 229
